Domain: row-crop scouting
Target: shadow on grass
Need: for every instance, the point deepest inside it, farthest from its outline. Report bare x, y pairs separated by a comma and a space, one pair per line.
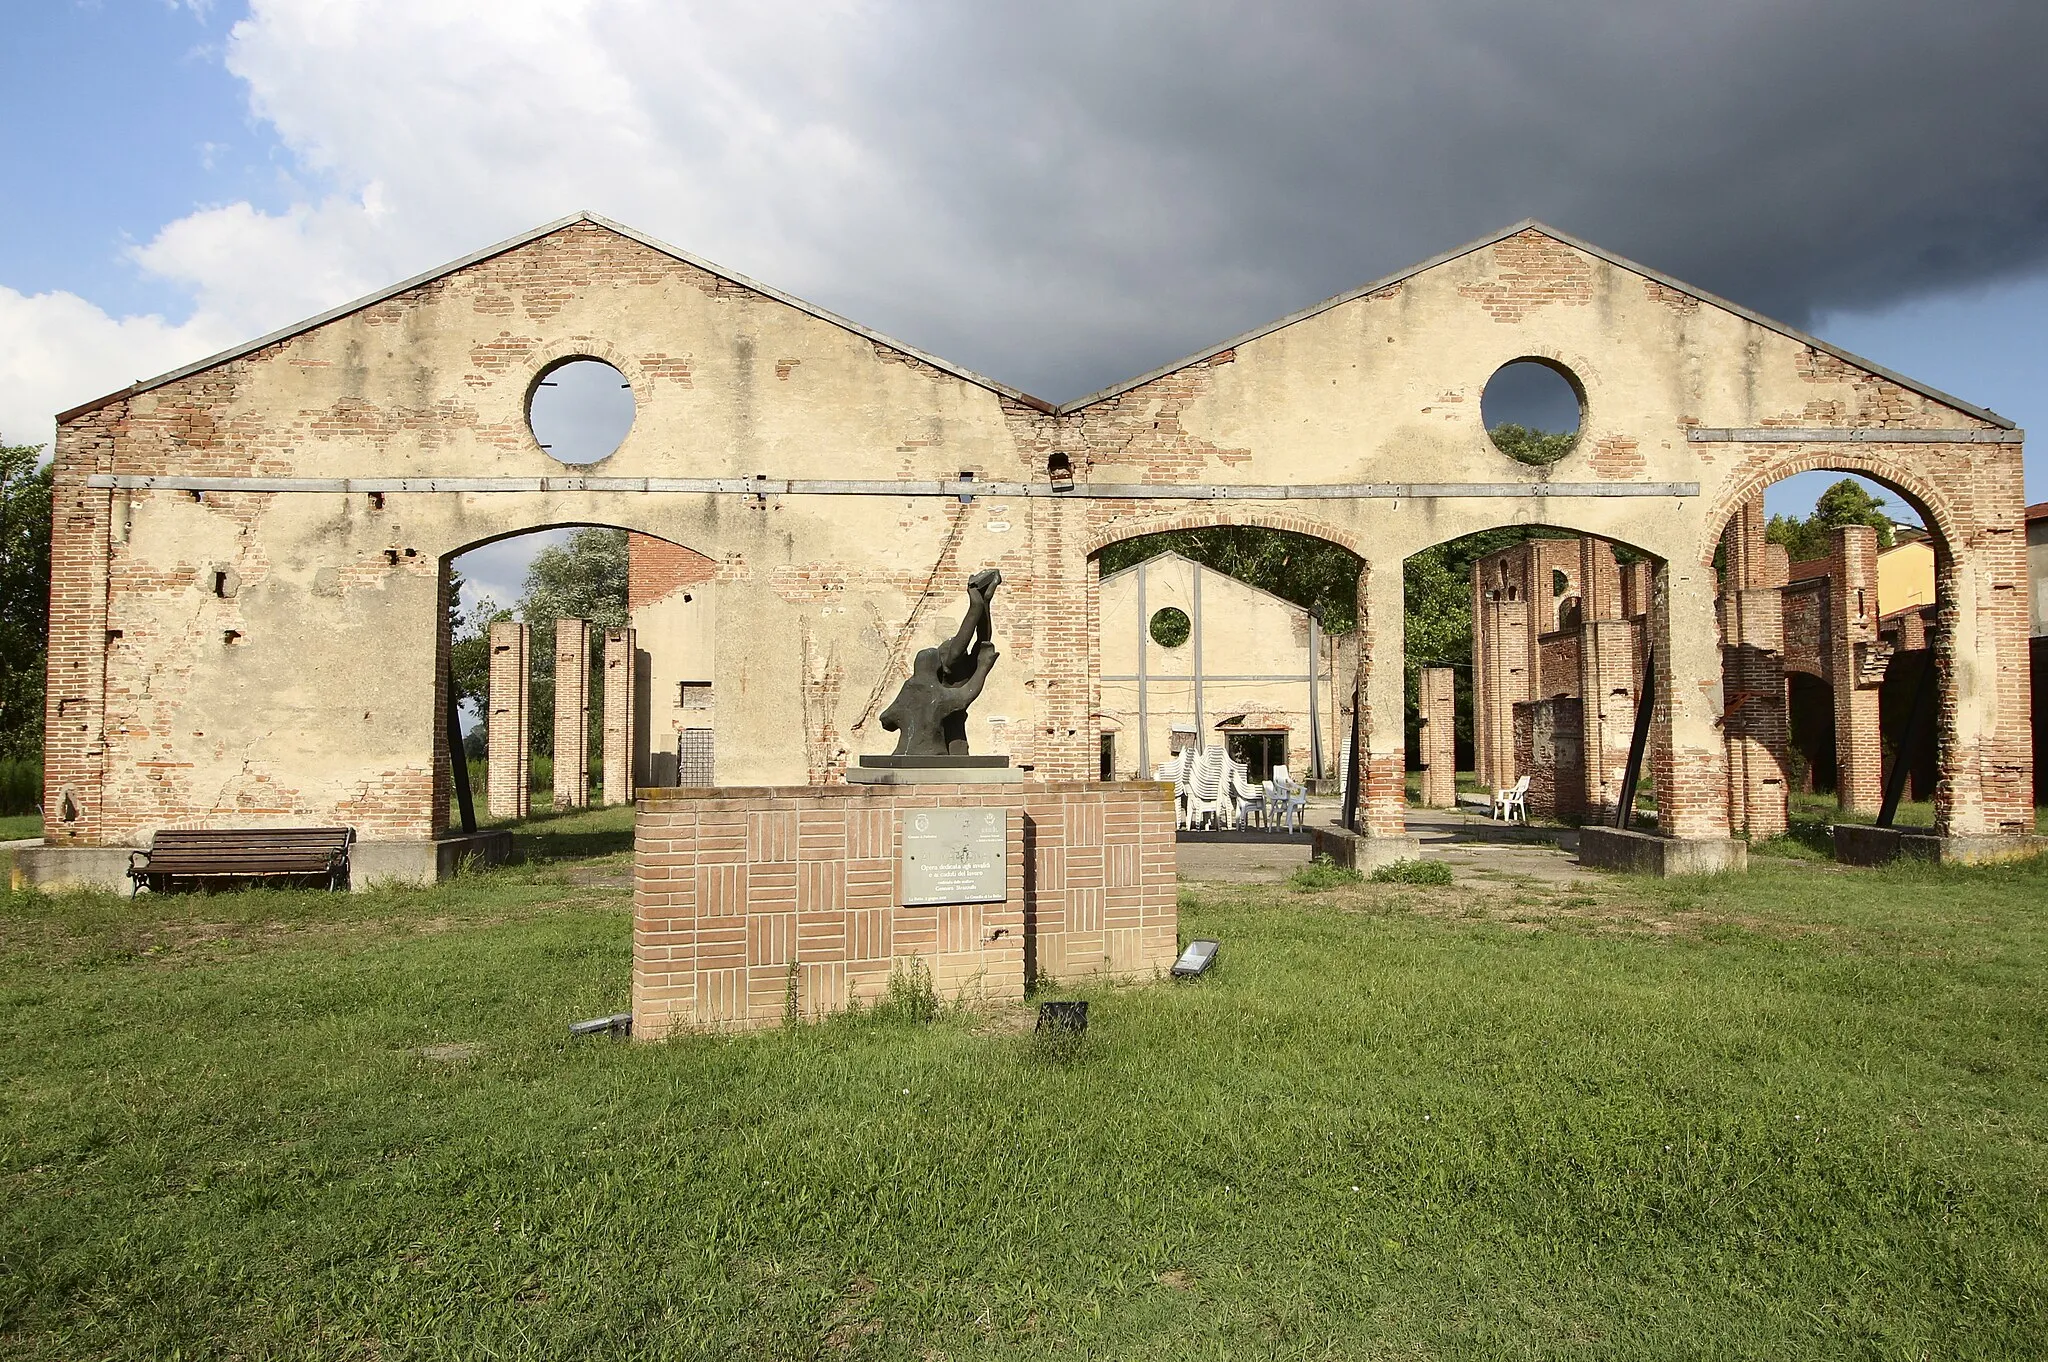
574, 836
1804, 839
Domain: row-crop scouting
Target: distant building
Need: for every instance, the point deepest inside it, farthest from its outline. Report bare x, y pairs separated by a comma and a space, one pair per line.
2037, 565
1190, 654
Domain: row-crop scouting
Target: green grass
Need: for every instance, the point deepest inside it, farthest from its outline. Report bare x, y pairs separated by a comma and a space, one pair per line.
1799, 1113
15, 826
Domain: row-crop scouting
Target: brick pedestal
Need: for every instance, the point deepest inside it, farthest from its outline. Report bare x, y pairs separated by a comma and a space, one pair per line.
754, 905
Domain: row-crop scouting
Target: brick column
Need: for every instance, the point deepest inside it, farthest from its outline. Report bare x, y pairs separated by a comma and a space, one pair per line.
1755, 721
1609, 681
510, 748
1688, 752
82, 521
1438, 701
1856, 666
1599, 581
1382, 760
1636, 581
621, 667
572, 714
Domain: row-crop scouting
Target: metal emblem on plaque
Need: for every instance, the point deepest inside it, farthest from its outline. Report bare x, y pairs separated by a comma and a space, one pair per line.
956, 856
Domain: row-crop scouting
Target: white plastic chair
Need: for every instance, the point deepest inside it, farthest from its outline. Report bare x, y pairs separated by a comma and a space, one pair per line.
1175, 772
1512, 802
1208, 793
1286, 800
1248, 800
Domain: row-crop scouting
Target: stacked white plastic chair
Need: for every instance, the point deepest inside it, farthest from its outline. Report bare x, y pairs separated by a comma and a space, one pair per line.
1208, 788
1175, 772
1248, 801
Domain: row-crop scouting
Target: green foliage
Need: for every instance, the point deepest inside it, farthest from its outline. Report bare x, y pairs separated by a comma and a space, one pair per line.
21, 785
912, 996
1412, 872
585, 578
1847, 502
469, 651
1322, 873
1311, 572
24, 598
1171, 627
1538, 447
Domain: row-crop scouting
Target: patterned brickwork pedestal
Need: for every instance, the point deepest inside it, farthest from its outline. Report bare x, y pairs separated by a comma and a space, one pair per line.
755, 906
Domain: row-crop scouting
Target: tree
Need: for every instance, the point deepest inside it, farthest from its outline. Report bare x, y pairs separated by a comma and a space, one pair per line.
1311, 572
1847, 502
1530, 446
585, 578
24, 598
469, 648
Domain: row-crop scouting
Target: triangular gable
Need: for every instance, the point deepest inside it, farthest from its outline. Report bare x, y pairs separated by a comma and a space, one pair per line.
1229, 577
1564, 238
513, 244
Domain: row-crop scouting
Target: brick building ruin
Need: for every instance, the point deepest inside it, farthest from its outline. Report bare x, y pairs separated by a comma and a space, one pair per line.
250, 554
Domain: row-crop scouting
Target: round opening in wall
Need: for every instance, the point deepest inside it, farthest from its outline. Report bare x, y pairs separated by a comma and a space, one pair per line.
1532, 408
1170, 627
580, 409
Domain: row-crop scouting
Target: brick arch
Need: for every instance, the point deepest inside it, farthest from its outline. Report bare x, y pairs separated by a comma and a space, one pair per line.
1920, 494
1227, 518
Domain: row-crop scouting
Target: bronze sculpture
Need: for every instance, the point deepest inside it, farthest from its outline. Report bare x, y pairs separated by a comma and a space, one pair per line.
929, 714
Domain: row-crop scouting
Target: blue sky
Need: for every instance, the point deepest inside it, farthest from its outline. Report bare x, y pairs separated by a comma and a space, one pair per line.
1060, 195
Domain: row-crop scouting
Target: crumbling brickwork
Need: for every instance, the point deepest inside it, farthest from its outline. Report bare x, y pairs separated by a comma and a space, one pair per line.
572, 713
510, 746
249, 557
1438, 701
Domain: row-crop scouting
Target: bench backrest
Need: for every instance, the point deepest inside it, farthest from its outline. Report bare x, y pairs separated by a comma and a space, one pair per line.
225, 850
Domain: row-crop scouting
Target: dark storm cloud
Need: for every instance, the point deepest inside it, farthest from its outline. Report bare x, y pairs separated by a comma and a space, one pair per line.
1126, 184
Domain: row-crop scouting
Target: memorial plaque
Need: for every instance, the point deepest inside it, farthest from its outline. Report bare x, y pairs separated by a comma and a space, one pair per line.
956, 856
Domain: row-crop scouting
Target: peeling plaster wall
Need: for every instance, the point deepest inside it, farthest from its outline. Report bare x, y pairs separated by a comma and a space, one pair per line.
326, 705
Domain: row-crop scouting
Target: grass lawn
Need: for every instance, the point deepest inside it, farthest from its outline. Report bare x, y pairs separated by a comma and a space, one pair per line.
1799, 1113
14, 826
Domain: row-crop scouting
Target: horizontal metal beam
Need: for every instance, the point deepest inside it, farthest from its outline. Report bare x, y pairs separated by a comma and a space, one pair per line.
1170, 678
1849, 435
821, 487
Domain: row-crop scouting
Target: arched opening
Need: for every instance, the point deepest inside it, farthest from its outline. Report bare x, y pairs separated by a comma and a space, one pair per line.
1233, 636
1523, 667
578, 665
1833, 592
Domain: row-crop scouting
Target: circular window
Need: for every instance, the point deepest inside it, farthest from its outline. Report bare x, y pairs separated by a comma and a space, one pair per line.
580, 410
1531, 408
1170, 627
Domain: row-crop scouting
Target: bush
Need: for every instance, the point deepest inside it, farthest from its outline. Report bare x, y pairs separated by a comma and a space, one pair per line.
1323, 873
1412, 872
21, 786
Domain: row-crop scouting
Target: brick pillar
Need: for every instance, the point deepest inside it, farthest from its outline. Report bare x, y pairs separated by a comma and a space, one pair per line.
1755, 720
1438, 701
1599, 581
1503, 653
572, 714
621, 666
1636, 581
1688, 752
1609, 680
1742, 547
1382, 760
83, 522
1856, 663
509, 746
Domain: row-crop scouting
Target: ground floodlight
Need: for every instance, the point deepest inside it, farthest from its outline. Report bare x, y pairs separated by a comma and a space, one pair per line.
620, 1024
1070, 1017
1196, 958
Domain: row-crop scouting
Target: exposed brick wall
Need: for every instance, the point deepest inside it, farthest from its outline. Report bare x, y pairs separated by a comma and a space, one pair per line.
1438, 702
510, 744
572, 713
754, 904
656, 569
1856, 668
1549, 748
621, 671
1610, 679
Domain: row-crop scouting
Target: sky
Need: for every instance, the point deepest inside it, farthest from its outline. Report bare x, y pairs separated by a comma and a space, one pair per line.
1059, 195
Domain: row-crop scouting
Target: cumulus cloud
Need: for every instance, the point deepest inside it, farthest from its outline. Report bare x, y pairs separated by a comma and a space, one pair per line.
1067, 193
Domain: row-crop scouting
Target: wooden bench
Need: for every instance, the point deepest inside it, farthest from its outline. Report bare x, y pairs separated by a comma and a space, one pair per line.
225, 854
